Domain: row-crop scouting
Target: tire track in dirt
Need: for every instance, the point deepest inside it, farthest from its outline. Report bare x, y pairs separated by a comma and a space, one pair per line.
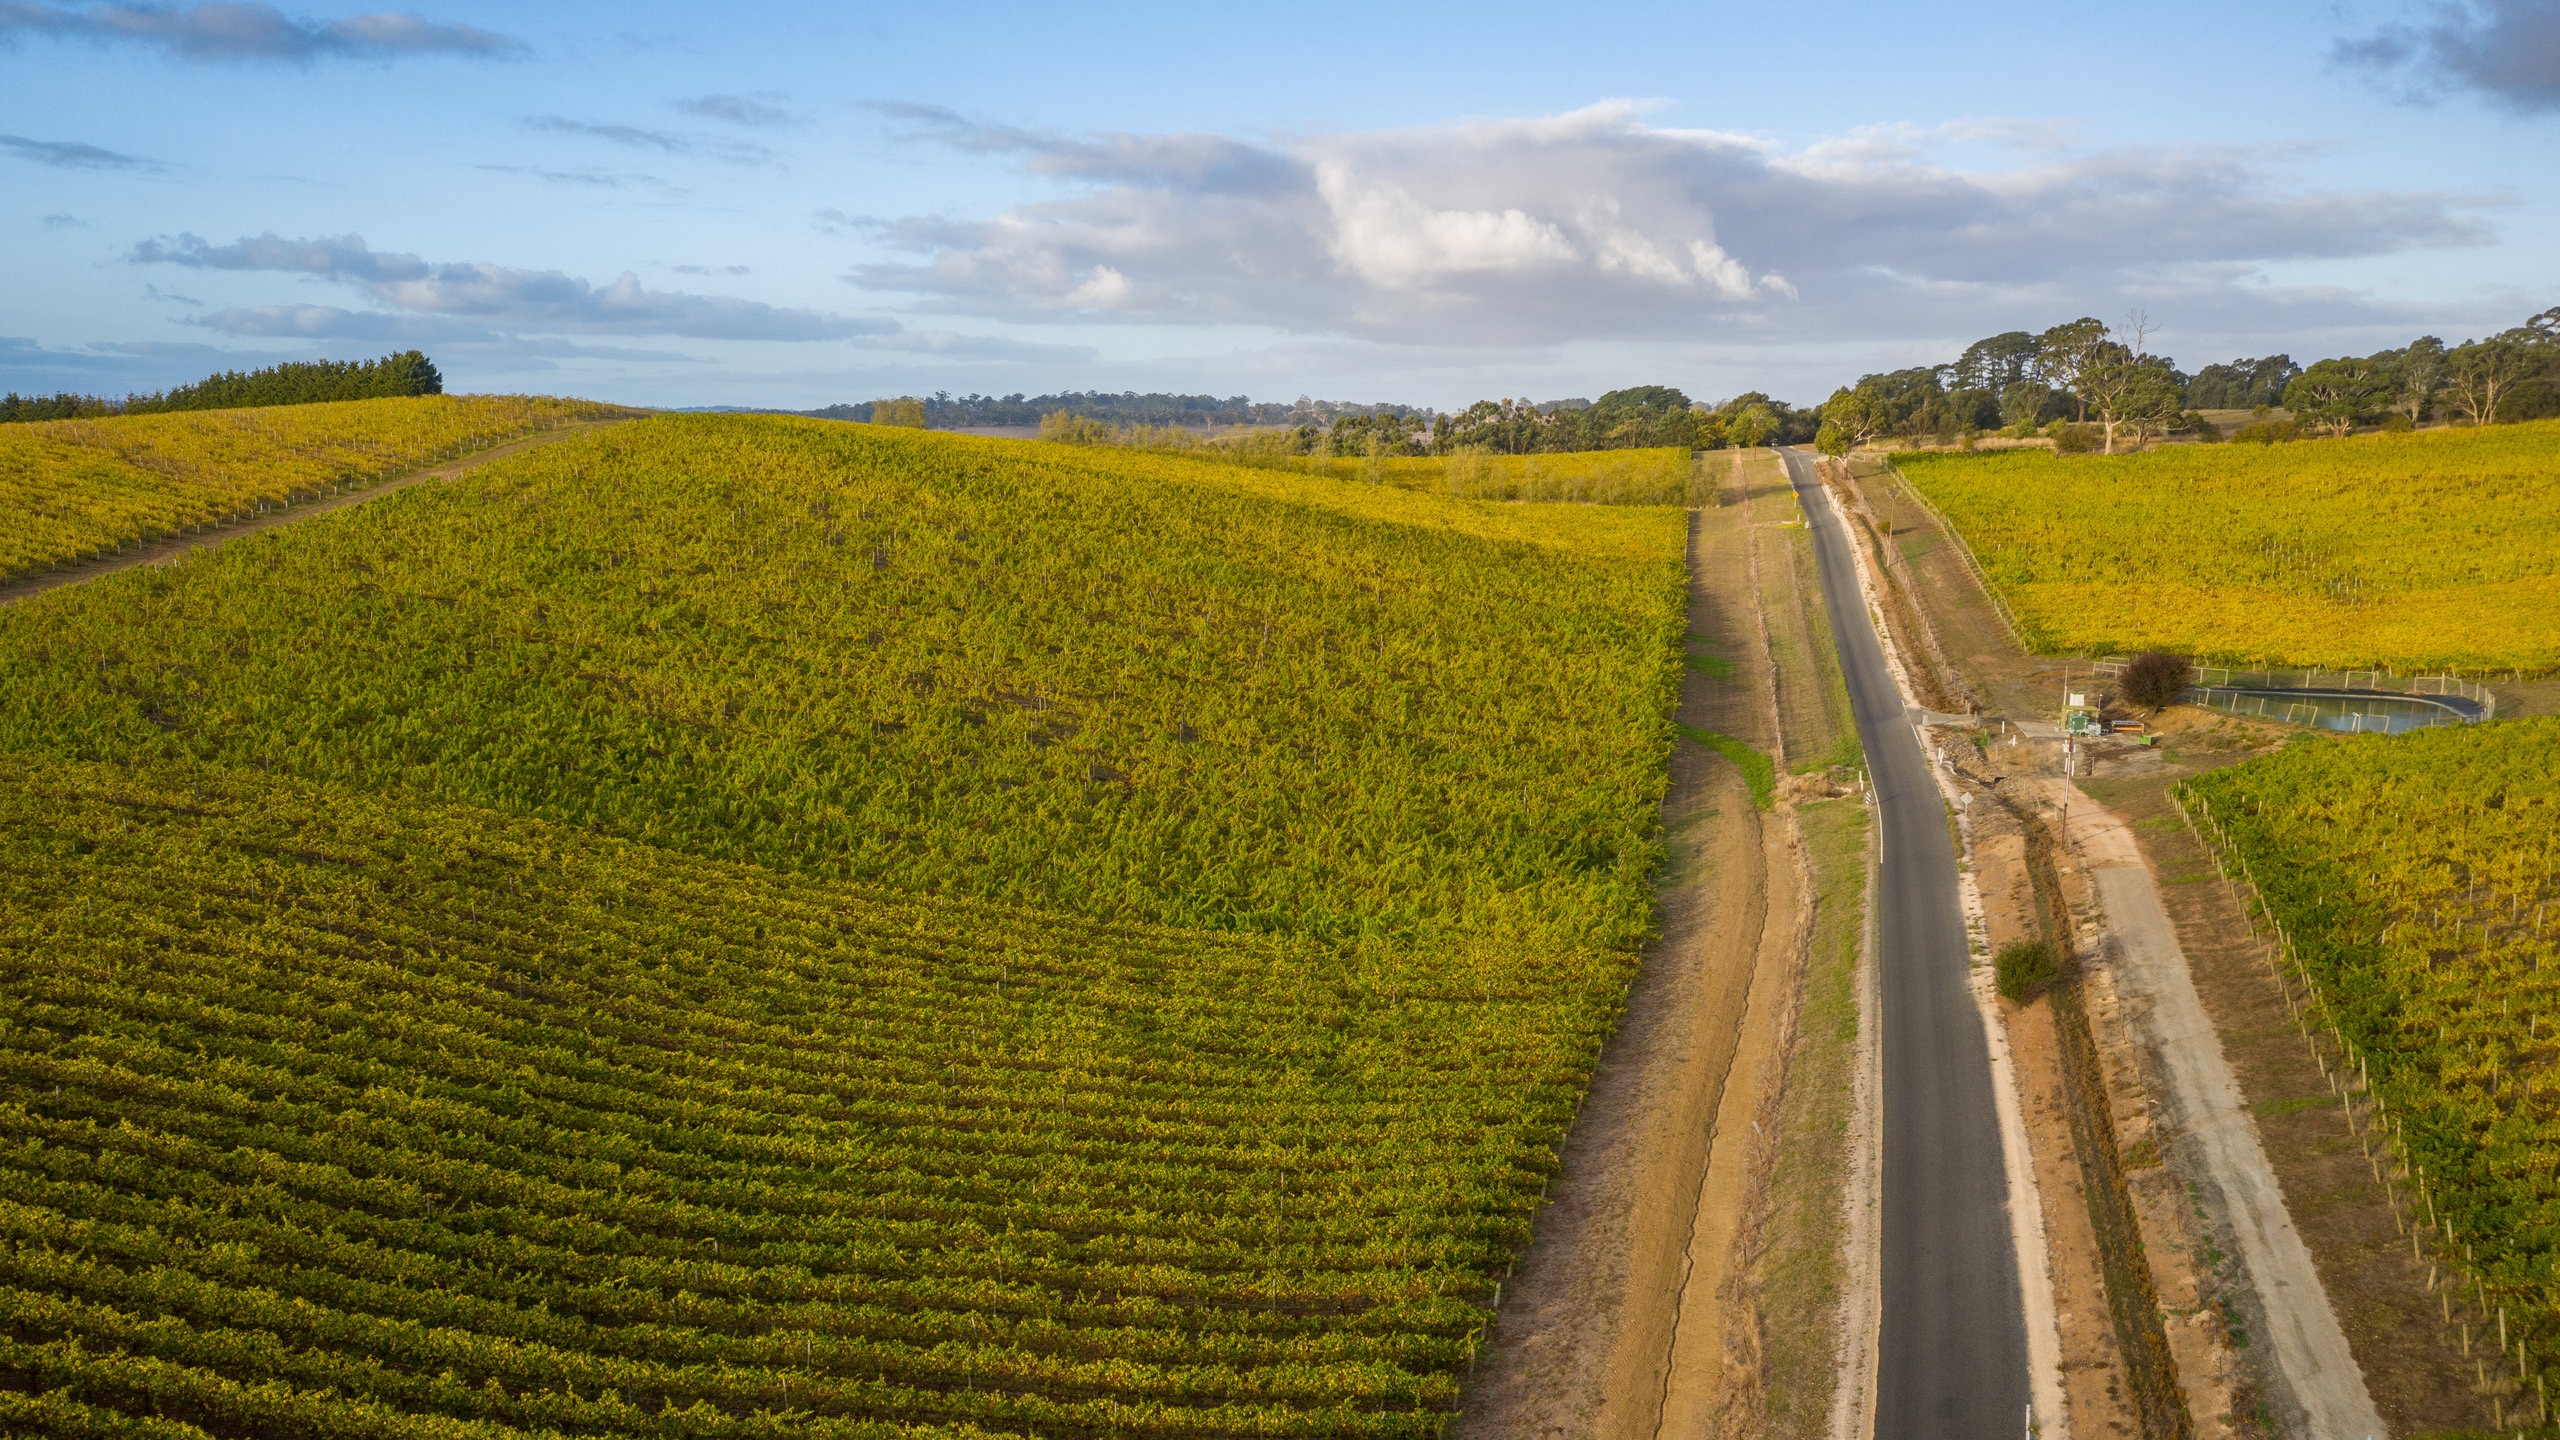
178, 547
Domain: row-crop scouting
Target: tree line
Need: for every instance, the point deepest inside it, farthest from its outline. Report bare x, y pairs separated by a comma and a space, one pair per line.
1638, 417
944, 411
295, 382
2087, 385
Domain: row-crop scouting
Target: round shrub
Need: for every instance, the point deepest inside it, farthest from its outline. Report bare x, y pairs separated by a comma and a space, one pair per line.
2155, 679
2023, 967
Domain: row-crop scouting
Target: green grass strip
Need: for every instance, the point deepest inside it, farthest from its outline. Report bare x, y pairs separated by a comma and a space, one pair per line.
1720, 668
1758, 770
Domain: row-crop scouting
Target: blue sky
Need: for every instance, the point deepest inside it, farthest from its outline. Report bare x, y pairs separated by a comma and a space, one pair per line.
796, 205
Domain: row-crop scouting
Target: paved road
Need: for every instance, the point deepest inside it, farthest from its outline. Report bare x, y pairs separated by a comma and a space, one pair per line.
1951, 1358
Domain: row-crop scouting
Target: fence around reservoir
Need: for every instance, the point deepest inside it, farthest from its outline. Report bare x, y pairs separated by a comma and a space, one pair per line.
2356, 702
2353, 712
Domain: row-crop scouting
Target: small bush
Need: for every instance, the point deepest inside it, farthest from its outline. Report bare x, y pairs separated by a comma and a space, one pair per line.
2155, 679
2023, 967
2396, 423
2266, 432
2206, 432
2075, 439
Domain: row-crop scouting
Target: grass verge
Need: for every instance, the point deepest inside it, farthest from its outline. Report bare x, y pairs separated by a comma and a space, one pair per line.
1758, 770
1803, 1268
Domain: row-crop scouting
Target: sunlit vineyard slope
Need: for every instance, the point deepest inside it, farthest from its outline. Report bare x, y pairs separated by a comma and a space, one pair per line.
331, 1116
2406, 552
2415, 875
1128, 684
726, 926
70, 489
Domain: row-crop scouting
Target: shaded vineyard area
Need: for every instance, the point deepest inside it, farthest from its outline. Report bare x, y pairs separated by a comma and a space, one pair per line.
331, 1116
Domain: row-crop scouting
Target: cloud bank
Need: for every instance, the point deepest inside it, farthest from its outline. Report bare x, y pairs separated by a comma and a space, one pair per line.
72, 155
2507, 50
662, 142
499, 298
234, 32
1596, 225
755, 112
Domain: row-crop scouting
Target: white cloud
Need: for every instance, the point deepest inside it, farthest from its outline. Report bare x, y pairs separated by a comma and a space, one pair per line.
501, 297
1107, 290
1597, 224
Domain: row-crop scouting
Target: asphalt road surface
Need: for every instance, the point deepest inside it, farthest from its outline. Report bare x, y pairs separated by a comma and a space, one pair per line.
1951, 1359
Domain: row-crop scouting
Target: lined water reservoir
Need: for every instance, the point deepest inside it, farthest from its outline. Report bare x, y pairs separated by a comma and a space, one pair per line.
2351, 711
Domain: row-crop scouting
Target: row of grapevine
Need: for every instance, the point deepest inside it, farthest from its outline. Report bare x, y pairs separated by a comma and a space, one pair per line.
328, 1115
733, 926
1592, 477
2412, 553
75, 489
1130, 684
2409, 889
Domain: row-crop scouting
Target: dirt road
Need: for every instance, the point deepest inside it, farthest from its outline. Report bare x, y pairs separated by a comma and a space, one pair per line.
162, 552
2312, 1363
1611, 1326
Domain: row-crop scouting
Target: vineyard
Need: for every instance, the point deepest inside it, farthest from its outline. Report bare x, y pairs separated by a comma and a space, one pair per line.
2414, 552
73, 489
726, 925
1134, 685
329, 1116
2411, 885
1597, 477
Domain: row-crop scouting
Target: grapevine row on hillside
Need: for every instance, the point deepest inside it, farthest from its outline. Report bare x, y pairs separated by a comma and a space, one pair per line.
2412, 883
1129, 684
1597, 477
333, 1116
72, 489
2407, 552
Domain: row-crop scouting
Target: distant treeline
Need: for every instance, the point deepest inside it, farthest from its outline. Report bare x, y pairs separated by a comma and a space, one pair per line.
1642, 417
944, 411
297, 382
2083, 375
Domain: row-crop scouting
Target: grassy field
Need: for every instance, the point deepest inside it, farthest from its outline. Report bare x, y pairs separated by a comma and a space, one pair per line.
2415, 876
727, 925
2415, 552
70, 489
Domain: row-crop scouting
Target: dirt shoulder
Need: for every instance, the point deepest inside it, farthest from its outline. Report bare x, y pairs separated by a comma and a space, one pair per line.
163, 552
1585, 1339
2412, 1367
2220, 1320
1794, 1278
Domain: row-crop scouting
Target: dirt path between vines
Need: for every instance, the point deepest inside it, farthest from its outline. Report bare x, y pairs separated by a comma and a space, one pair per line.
1613, 1318
176, 547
